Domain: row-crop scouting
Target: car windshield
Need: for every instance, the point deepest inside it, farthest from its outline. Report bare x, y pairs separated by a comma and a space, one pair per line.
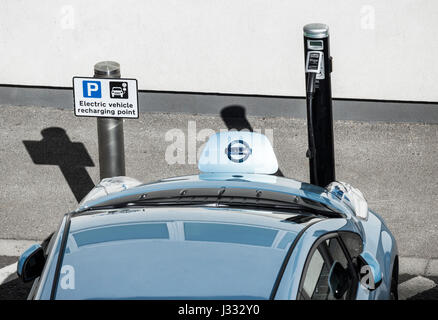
135, 254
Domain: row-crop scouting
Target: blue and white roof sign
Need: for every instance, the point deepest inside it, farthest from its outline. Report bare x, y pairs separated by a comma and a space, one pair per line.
109, 98
238, 152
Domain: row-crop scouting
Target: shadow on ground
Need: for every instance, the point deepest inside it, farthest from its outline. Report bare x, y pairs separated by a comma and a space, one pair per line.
15, 290
56, 148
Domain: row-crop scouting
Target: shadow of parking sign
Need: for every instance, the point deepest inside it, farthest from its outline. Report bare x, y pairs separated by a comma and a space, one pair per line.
56, 149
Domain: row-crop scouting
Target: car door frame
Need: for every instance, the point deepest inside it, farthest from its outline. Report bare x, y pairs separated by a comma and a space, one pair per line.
332, 234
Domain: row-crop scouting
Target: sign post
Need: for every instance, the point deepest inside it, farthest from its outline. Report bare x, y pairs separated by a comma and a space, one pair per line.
110, 99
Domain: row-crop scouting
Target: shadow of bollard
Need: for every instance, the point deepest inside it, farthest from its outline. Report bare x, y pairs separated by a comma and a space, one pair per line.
234, 117
72, 157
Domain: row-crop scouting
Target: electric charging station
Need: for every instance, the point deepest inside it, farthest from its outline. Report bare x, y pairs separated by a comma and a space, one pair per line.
318, 67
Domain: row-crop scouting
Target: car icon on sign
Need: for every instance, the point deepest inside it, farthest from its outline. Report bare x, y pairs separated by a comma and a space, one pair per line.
117, 91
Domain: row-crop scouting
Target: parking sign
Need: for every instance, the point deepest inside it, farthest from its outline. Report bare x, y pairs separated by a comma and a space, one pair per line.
108, 98
91, 89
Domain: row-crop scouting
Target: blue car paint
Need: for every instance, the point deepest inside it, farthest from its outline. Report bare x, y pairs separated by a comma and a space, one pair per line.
24, 256
48, 273
288, 288
374, 265
289, 285
378, 241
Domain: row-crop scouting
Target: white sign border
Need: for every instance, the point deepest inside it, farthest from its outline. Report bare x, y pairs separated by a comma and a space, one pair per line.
94, 78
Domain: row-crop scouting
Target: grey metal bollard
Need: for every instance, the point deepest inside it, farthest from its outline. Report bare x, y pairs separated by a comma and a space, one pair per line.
110, 130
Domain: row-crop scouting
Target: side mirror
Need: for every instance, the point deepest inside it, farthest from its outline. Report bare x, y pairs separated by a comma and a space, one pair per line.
31, 263
338, 280
370, 273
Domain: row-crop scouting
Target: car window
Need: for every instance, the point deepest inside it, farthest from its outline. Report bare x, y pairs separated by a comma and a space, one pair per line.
315, 284
353, 242
169, 260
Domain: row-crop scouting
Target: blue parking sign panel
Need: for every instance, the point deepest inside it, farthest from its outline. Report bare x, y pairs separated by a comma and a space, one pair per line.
91, 89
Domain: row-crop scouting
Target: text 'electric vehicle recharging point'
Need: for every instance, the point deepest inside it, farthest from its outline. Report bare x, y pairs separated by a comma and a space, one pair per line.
318, 66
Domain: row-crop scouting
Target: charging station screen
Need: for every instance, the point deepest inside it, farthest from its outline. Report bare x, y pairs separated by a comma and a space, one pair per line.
315, 45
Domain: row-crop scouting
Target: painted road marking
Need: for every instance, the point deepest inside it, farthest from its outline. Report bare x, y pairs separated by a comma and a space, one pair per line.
14, 248
414, 286
432, 268
7, 271
418, 266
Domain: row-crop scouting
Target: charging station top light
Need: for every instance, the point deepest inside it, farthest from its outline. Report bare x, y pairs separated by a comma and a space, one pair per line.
316, 30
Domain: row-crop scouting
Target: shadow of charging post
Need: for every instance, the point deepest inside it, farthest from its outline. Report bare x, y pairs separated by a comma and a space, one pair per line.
71, 157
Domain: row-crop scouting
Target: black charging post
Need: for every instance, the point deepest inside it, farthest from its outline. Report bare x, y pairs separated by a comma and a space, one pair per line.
318, 64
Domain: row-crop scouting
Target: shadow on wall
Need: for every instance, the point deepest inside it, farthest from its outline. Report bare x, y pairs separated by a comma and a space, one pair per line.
72, 157
234, 117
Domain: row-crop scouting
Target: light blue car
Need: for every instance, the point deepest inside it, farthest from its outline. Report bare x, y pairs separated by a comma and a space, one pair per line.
235, 231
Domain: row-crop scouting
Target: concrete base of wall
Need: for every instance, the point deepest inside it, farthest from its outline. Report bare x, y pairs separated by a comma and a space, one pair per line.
202, 103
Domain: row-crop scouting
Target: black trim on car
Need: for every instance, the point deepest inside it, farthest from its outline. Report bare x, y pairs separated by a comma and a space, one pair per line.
330, 235
221, 196
351, 263
312, 250
60, 257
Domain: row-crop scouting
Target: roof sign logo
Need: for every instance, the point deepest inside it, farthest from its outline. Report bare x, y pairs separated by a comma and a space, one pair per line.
238, 151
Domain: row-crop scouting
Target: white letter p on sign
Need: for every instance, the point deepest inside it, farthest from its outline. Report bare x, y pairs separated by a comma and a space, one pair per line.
92, 87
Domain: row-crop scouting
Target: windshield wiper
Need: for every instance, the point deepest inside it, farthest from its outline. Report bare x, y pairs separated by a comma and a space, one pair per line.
228, 197
242, 205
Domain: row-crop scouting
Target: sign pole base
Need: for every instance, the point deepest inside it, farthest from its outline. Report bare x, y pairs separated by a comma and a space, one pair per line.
111, 147
110, 131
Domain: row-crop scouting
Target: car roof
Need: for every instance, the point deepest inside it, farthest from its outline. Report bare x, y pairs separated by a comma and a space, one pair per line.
179, 252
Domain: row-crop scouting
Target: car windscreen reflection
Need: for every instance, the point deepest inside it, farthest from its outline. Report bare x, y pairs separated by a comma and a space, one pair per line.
172, 260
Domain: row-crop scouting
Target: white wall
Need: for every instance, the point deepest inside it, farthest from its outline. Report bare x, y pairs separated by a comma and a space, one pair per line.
228, 46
